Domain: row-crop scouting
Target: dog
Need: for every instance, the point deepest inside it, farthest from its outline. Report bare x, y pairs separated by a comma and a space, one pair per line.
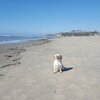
58, 65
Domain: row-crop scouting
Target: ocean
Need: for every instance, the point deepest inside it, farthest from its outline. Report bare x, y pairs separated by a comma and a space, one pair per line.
6, 39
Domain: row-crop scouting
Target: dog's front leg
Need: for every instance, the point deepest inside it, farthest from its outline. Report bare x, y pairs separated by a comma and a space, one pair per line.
60, 70
55, 69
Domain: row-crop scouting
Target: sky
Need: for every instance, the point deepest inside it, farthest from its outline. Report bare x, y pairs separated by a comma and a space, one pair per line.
48, 16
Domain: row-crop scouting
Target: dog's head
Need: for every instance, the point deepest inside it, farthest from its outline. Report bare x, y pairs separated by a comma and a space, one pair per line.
58, 56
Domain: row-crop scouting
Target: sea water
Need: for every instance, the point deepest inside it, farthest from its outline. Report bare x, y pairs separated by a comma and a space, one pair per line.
5, 39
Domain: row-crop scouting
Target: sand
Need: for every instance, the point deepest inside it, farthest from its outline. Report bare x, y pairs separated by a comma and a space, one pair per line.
33, 77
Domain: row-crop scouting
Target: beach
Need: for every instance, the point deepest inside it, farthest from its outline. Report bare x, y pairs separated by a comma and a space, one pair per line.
26, 69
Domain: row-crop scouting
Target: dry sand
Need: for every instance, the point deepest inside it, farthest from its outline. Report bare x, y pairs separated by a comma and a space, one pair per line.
33, 78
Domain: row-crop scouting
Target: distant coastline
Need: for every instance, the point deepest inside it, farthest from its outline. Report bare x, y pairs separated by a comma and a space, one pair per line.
7, 39
78, 33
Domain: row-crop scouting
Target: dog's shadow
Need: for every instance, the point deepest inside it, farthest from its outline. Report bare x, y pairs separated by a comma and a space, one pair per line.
67, 69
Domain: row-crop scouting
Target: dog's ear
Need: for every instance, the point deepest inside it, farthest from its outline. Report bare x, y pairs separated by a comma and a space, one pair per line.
56, 56
60, 56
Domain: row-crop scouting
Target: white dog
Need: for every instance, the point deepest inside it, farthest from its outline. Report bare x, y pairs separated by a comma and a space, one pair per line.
58, 65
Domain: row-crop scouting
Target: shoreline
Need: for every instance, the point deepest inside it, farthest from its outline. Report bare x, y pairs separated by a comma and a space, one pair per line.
10, 54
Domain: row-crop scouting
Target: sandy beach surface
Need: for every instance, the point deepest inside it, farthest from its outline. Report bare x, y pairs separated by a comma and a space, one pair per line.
26, 70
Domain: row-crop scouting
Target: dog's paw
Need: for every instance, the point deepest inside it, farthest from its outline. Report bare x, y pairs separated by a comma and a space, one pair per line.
55, 71
61, 71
